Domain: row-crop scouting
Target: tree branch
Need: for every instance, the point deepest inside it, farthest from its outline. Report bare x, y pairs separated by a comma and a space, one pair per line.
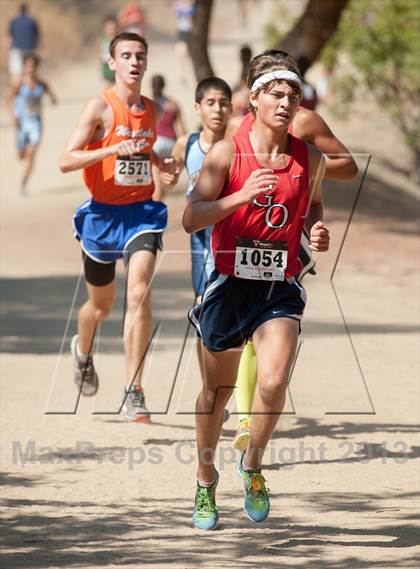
197, 44
313, 29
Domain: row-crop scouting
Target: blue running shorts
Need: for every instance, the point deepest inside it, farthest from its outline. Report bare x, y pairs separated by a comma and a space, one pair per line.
29, 132
105, 231
232, 309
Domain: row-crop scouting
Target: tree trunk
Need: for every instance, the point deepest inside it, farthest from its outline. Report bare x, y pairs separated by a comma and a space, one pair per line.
313, 29
198, 40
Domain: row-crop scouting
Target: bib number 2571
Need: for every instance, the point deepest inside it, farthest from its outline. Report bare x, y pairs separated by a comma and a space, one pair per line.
133, 171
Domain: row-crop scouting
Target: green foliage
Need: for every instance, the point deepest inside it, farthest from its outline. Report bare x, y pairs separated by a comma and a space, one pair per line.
382, 40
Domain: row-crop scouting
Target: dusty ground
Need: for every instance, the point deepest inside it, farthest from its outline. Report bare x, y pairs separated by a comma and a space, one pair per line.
85, 489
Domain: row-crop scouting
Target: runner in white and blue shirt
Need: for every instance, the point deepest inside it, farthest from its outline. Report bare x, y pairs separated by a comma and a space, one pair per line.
25, 105
213, 106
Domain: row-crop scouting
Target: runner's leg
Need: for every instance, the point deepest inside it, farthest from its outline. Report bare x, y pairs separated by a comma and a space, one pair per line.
244, 392
246, 382
201, 266
93, 312
138, 317
220, 369
273, 375
29, 160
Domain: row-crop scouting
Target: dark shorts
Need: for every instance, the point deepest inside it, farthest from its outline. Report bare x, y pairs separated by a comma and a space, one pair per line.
232, 309
101, 274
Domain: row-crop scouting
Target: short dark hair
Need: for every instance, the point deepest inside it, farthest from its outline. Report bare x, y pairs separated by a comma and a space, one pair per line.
23, 8
303, 64
245, 54
33, 57
126, 36
158, 85
212, 83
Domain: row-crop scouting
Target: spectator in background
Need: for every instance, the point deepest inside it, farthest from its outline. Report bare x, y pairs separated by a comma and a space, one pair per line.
23, 40
170, 126
131, 19
243, 12
108, 32
184, 11
245, 56
240, 97
25, 106
309, 95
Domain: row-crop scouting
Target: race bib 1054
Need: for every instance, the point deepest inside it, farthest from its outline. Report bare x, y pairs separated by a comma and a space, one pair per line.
258, 259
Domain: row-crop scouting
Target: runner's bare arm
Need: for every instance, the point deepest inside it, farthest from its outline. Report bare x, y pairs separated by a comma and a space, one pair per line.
233, 126
91, 118
158, 111
312, 128
9, 101
178, 153
180, 123
50, 93
319, 237
204, 208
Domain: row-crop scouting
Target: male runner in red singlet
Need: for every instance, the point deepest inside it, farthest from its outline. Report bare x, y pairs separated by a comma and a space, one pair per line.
113, 143
340, 165
258, 191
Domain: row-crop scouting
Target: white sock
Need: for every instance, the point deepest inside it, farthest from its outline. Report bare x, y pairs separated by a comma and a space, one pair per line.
206, 484
80, 356
249, 468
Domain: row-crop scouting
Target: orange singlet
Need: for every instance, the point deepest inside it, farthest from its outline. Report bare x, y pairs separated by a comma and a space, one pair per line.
119, 180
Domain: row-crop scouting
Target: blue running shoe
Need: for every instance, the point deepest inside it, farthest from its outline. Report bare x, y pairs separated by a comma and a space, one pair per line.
205, 513
256, 499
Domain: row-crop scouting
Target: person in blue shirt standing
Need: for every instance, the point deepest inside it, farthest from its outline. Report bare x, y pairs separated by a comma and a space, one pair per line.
24, 103
23, 40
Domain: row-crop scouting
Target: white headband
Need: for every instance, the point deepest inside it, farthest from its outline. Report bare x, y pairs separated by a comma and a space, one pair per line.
272, 75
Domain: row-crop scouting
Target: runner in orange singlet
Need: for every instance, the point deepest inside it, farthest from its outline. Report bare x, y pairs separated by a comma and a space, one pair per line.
113, 144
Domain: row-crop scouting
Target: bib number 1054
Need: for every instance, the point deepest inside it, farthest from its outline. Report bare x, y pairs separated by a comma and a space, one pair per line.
260, 260
263, 258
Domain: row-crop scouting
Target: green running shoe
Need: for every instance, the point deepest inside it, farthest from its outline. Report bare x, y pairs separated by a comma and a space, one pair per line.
205, 514
256, 499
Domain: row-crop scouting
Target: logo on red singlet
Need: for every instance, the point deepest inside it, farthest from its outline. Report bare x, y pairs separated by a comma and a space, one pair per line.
276, 215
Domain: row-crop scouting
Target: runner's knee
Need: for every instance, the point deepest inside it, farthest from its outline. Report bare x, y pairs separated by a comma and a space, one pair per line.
272, 386
217, 393
138, 296
102, 309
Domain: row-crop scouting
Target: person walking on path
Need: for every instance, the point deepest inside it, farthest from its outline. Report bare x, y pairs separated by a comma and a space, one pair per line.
109, 31
23, 37
25, 106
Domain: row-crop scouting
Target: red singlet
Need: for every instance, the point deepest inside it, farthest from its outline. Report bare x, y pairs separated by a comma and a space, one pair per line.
278, 216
